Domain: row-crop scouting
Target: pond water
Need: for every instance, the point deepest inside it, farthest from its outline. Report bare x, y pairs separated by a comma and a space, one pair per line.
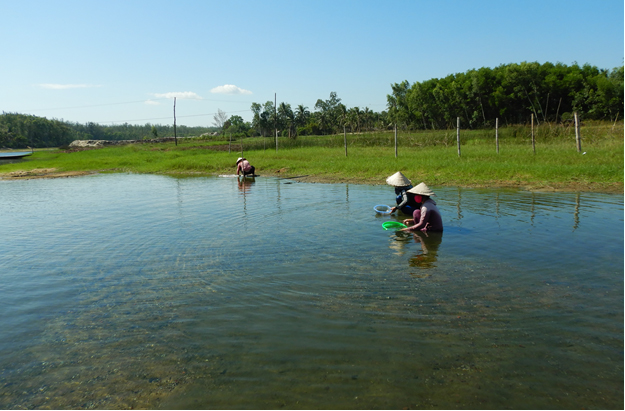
140, 291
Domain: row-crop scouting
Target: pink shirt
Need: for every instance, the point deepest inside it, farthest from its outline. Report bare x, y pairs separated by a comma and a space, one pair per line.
244, 166
430, 218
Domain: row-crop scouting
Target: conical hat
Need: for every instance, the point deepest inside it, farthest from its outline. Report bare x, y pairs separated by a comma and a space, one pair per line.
239, 159
422, 190
398, 180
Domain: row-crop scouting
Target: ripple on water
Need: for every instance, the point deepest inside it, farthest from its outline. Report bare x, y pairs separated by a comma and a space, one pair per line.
146, 291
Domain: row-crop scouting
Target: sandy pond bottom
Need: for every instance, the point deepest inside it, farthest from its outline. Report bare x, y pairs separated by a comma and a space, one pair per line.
126, 291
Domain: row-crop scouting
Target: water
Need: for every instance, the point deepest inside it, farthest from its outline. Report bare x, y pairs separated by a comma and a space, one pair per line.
133, 291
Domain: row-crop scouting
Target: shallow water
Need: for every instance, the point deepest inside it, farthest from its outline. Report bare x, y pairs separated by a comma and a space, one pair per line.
135, 291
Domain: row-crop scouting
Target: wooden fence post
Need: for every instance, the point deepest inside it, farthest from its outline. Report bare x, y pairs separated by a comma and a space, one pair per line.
275, 117
458, 134
497, 134
175, 136
533, 141
395, 140
345, 139
578, 137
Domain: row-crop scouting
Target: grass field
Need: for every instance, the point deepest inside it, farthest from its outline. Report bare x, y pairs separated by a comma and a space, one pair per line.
430, 156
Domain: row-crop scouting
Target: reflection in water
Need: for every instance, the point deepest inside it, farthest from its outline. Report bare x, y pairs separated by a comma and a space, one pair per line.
245, 186
430, 242
425, 257
144, 302
576, 212
523, 204
533, 212
458, 208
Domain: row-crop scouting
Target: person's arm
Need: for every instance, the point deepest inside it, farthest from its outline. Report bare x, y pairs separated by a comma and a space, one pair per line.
425, 216
404, 201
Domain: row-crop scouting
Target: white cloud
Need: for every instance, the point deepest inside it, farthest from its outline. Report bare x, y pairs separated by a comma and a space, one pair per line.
50, 86
229, 89
189, 95
151, 102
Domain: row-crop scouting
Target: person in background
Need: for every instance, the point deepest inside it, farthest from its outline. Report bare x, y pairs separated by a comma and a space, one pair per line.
405, 202
427, 218
244, 167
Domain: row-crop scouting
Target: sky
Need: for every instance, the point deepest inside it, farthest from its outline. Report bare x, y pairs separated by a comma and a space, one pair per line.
114, 62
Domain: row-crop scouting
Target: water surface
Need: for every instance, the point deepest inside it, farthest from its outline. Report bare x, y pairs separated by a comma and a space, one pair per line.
134, 291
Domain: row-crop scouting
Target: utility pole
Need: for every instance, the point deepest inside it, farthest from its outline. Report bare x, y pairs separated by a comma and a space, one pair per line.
175, 136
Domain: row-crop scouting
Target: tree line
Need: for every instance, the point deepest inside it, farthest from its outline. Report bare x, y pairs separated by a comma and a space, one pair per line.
510, 93
21, 130
330, 116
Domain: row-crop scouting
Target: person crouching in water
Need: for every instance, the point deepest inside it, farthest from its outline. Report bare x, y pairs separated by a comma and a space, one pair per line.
426, 218
244, 167
405, 202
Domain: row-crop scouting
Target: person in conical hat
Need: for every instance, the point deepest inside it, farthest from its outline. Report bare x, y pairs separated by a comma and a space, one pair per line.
404, 201
398, 180
427, 217
244, 167
423, 190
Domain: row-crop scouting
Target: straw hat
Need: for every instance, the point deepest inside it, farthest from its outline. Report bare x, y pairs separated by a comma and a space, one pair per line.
422, 190
398, 180
239, 159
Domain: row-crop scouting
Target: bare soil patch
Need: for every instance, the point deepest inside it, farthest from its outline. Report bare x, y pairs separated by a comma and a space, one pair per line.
42, 173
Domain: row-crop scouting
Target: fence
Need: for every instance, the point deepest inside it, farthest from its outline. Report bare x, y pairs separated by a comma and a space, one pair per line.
530, 134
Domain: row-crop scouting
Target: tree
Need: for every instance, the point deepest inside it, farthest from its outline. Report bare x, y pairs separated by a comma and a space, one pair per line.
367, 116
256, 119
301, 115
329, 115
397, 103
219, 119
285, 118
236, 125
354, 115
268, 117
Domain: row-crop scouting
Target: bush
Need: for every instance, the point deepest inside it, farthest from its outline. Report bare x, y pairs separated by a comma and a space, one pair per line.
310, 129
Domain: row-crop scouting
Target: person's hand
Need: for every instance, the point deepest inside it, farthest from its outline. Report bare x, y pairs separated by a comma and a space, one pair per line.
393, 209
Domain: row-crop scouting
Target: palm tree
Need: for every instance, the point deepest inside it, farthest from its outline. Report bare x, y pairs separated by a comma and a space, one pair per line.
286, 117
366, 118
301, 115
355, 115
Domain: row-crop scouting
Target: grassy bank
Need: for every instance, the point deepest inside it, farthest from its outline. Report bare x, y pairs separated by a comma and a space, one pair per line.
426, 156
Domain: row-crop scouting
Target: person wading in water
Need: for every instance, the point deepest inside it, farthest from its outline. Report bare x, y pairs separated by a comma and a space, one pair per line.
427, 217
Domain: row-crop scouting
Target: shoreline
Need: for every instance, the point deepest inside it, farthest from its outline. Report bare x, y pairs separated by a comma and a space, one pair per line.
604, 188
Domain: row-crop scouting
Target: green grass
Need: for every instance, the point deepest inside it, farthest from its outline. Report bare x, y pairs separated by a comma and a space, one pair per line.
425, 156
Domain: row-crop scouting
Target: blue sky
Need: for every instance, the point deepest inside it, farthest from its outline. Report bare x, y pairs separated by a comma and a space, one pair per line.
124, 61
